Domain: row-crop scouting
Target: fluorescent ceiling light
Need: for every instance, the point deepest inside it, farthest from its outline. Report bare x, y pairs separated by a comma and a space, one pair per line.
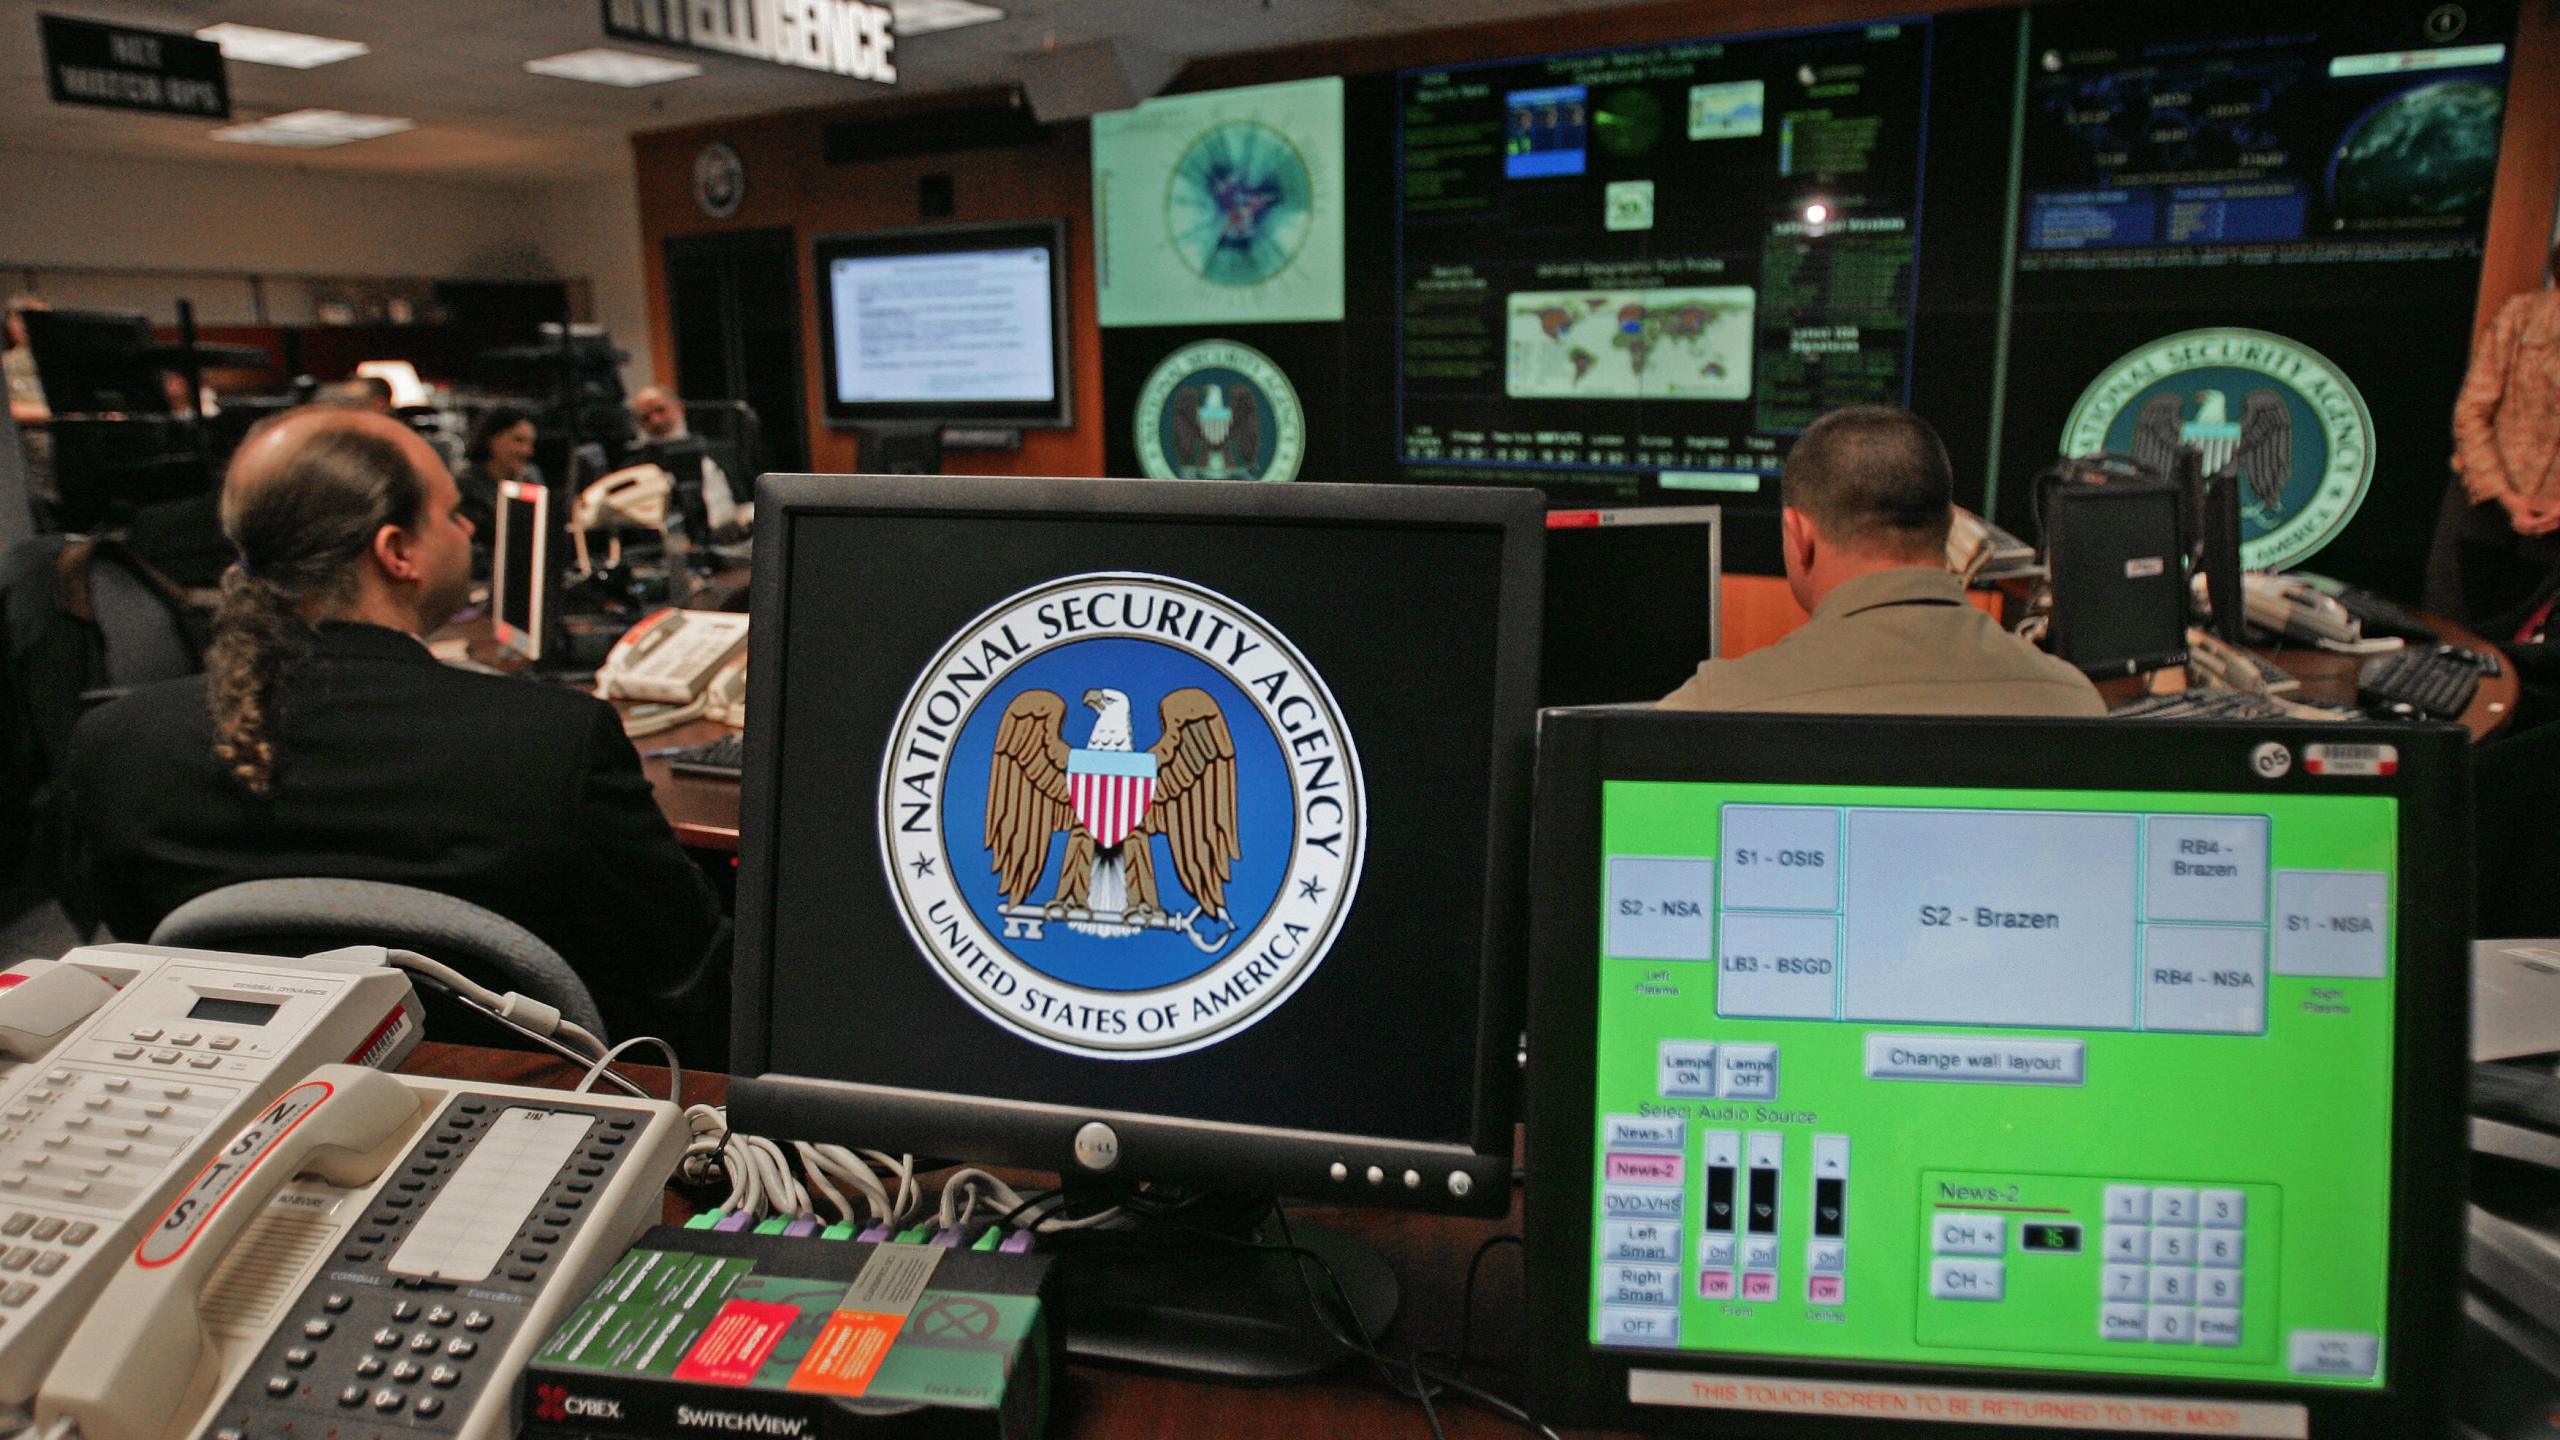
923, 17
261, 46
603, 66
313, 129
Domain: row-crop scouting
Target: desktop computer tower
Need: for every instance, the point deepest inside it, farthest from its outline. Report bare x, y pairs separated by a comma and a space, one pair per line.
2118, 561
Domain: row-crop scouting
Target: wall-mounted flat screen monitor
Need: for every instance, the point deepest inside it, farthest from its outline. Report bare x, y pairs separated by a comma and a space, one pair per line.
946, 323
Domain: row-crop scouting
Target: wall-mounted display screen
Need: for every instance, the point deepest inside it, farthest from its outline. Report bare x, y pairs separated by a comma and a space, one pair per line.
1657, 261
950, 323
2256, 145
1222, 208
2257, 232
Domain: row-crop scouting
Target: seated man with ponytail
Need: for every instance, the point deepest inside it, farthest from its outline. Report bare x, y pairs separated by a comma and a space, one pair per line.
324, 740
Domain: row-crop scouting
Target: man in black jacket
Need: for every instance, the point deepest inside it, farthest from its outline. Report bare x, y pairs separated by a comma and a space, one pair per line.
324, 740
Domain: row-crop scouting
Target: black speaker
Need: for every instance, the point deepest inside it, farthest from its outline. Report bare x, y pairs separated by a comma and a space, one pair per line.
933, 196
2119, 575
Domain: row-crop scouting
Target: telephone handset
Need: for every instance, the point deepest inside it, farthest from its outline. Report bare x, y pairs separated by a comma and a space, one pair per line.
370, 1252
1980, 550
129, 1060
2292, 610
726, 700
634, 496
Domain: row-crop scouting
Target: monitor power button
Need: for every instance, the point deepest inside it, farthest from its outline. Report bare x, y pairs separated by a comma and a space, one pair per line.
1097, 1146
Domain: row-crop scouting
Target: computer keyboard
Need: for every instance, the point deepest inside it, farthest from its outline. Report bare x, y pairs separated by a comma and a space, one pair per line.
2203, 705
721, 759
2431, 680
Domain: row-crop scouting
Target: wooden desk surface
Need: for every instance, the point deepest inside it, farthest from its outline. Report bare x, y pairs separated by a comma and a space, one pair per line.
2330, 679
1429, 1253
703, 811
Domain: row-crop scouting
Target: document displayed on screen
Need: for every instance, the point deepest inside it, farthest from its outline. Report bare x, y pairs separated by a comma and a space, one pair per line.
962, 325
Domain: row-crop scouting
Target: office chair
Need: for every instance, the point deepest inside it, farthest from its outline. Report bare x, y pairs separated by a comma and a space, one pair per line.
303, 916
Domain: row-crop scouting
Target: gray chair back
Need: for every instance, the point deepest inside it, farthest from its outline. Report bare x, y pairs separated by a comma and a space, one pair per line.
144, 639
303, 916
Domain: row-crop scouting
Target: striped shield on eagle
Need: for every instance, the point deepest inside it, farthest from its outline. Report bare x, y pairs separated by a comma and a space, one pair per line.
1110, 790
1111, 799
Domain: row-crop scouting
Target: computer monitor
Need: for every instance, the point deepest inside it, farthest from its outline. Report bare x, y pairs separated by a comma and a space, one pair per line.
111, 472
946, 323
1631, 601
1143, 831
2116, 548
2013, 1072
96, 362
525, 568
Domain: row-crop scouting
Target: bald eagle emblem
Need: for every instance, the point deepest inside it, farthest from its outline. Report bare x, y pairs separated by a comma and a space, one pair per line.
1217, 410
1217, 431
2259, 444
1111, 800
2282, 417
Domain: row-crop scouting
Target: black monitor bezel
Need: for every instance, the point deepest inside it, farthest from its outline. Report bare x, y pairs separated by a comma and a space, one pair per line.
1163, 1148
1057, 412
1579, 1383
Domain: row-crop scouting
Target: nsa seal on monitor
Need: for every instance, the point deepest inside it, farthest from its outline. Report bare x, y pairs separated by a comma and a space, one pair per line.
2281, 414
1122, 816
1216, 410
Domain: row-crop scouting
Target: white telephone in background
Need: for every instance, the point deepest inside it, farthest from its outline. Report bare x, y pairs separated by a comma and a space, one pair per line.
127, 1062
1980, 550
371, 1253
2301, 613
634, 497
671, 658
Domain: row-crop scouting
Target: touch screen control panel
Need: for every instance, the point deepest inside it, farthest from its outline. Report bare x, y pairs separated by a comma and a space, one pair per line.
2076, 1081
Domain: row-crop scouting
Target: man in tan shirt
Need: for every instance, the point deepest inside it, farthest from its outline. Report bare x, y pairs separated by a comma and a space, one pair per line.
1868, 495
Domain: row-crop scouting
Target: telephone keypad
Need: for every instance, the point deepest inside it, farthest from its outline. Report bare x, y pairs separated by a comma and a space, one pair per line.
407, 1333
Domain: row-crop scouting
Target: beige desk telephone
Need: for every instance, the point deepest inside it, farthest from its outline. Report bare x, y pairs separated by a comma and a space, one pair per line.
122, 1062
371, 1254
633, 497
694, 661
1980, 550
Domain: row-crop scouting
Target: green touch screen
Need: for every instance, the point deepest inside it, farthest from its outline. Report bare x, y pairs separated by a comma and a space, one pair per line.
2049, 1080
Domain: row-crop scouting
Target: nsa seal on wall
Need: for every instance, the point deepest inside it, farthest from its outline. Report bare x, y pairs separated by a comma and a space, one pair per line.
1122, 816
2281, 413
1217, 410
719, 180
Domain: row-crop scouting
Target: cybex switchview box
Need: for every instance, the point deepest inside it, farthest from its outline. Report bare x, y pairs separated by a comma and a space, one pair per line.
2012, 1075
